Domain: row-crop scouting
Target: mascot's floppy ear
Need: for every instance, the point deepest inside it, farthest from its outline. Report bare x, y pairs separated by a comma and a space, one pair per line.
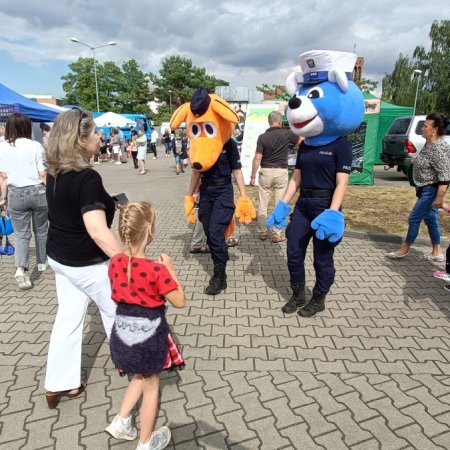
292, 82
223, 109
179, 116
339, 77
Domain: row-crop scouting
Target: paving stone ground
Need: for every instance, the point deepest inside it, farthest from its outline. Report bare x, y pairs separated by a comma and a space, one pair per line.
371, 372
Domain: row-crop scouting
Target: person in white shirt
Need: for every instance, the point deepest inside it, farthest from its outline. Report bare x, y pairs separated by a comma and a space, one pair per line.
22, 183
153, 141
141, 150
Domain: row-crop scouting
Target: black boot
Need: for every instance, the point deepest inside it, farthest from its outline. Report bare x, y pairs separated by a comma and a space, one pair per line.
217, 283
315, 305
297, 300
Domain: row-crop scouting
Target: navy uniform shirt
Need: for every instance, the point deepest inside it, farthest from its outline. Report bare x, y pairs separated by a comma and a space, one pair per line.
228, 161
319, 165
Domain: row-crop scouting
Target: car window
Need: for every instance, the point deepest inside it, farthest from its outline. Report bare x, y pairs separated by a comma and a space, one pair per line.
419, 127
400, 126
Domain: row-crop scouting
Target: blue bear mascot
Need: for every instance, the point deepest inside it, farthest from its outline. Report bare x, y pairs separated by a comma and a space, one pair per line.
325, 106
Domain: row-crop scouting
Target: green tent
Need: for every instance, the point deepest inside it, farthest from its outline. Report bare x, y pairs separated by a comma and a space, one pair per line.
368, 138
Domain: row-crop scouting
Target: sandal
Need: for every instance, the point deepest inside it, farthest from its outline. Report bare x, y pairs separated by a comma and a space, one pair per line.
53, 398
439, 258
203, 249
393, 255
232, 242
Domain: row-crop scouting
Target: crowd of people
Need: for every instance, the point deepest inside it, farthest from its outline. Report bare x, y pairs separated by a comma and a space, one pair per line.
56, 195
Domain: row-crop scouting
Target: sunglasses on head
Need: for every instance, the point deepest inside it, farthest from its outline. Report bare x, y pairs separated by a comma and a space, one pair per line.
83, 115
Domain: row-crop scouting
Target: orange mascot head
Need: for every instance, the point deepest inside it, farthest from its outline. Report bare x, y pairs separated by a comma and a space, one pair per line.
210, 122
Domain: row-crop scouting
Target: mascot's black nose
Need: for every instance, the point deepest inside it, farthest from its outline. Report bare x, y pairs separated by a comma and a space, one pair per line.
197, 166
294, 102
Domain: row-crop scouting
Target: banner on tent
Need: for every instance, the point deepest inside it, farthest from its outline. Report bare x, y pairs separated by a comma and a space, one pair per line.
372, 105
358, 138
255, 124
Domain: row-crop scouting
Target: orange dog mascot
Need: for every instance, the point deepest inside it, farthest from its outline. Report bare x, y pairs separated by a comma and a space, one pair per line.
214, 156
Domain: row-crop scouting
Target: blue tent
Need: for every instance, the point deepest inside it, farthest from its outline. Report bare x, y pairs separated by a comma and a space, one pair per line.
35, 111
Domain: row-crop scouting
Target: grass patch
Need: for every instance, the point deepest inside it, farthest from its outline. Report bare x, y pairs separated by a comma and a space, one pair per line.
376, 209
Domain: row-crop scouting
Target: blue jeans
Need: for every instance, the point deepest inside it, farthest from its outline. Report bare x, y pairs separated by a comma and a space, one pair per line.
424, 210
28, 208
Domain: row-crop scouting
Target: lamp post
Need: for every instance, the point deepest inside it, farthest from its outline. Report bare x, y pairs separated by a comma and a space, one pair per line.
419, 72
93, 48
170, 100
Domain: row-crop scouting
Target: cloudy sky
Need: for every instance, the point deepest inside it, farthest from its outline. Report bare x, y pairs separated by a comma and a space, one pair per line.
244, 42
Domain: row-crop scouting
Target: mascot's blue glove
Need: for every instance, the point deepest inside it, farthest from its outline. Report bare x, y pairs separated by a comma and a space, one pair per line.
329, 225
278, 217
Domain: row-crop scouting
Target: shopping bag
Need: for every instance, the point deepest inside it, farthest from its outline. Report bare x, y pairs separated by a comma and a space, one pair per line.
6, 227
8, 249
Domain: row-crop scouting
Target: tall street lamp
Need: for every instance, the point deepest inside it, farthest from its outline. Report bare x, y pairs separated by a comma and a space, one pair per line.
93, 48
170, 100
419, 73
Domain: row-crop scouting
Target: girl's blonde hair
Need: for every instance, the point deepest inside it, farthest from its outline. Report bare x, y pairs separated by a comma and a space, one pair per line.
134, 219
66, 149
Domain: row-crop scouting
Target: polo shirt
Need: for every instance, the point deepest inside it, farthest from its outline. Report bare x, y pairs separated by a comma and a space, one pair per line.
228, 161
274, 145
319, 165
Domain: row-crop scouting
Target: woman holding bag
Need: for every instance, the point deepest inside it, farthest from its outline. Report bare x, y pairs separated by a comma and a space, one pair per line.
22, 184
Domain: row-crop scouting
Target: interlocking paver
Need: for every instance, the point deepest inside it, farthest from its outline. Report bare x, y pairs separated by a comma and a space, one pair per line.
371, 371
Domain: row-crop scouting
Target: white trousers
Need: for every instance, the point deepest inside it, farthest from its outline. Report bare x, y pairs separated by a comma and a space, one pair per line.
75, 286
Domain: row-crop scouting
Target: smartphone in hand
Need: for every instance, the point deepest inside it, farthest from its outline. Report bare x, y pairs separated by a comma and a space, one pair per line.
120, 199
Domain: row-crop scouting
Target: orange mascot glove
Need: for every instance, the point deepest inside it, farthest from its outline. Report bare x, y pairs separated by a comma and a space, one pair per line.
189, 203
245, 211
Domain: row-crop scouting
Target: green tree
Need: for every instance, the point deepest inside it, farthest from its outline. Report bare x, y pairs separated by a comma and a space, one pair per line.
434, 83
177, 80
133, 92
79, 84
120, 89
399, 86
367, 85
277, 91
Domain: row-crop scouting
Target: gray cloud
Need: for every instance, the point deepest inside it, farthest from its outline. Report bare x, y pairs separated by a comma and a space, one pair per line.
247, 42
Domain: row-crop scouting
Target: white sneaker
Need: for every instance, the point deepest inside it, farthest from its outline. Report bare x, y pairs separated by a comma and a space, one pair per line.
23, 280
160, 439
154, 157
119, 430
117, 162
42, 267
97, 162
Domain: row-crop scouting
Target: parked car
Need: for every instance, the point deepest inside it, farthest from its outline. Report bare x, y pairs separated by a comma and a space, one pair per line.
402, 141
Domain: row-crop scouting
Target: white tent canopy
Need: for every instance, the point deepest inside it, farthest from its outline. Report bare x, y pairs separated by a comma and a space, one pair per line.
111, 119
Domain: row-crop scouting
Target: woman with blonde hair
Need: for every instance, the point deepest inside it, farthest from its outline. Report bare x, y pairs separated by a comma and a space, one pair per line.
79, 246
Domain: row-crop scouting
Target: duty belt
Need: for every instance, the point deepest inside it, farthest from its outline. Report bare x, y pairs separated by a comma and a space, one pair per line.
316, 193
217, 181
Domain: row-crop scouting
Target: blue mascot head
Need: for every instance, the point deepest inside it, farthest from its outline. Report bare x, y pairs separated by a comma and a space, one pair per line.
325, 104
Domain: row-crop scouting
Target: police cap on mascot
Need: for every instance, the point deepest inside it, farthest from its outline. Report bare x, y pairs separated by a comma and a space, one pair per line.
325, 106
